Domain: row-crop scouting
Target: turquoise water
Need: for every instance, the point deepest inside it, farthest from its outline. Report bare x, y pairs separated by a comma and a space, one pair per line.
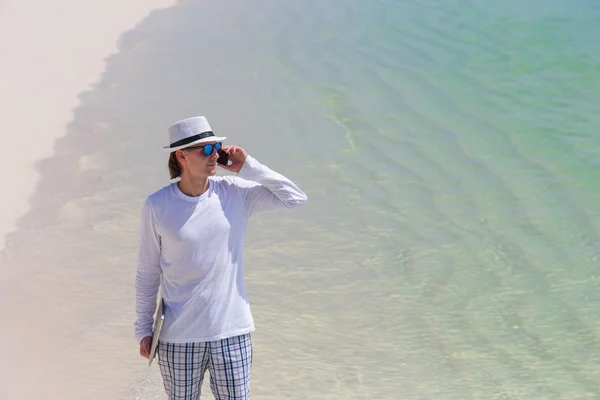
449, 249
458, 218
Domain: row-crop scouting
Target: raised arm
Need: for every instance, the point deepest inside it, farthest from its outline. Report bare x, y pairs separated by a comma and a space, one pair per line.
148, 273
262, 188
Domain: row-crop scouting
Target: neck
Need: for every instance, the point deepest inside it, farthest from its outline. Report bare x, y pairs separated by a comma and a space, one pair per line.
193, 186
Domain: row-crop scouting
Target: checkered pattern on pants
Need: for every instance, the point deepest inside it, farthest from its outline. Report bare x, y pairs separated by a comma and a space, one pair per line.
229, 361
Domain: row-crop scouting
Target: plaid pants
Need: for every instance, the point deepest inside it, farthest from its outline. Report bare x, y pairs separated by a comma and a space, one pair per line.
229, 361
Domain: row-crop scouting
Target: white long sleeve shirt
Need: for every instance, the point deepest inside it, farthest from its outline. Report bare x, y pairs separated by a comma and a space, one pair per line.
193, 246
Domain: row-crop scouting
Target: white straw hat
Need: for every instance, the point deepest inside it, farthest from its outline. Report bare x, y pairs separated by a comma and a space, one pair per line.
190, 132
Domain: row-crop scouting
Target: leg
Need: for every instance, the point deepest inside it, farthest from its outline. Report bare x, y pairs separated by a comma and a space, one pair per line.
182, 366
229, 366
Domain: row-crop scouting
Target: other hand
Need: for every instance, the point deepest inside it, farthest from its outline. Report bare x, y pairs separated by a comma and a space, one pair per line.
237, 156
145, 346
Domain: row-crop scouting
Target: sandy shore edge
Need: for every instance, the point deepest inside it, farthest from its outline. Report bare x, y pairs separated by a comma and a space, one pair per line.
51, 52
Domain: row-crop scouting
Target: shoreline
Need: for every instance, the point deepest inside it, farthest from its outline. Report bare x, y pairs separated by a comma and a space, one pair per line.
45, 70
55, 54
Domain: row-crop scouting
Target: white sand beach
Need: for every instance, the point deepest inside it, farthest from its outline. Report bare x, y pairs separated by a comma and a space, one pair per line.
51, 52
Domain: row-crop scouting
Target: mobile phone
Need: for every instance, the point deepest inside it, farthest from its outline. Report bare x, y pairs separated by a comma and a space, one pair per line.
223, 157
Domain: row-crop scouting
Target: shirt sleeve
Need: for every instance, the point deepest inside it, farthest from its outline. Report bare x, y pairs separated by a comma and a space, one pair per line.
264, 189
148, 273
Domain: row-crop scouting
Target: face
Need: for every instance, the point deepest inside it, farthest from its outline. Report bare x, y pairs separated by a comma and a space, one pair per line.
196, 163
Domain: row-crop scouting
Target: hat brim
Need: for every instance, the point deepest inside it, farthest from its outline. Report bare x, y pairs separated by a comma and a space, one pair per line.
169, 149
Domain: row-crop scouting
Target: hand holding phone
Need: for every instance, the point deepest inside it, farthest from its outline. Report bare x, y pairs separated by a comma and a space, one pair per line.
236, 155
223, 157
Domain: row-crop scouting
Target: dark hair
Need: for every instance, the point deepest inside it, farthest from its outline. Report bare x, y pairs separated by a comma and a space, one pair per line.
174, 167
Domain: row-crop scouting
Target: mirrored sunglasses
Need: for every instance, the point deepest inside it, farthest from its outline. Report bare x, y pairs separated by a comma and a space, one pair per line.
208, 148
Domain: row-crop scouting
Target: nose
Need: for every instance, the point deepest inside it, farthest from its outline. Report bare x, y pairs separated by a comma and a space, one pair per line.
214, 155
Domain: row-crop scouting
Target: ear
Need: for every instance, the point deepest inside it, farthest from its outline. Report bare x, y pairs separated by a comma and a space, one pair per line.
180, 154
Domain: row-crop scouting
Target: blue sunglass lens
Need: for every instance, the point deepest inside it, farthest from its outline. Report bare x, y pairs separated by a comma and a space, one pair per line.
208, 149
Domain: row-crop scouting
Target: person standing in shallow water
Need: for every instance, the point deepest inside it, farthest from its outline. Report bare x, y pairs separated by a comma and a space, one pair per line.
191, 245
